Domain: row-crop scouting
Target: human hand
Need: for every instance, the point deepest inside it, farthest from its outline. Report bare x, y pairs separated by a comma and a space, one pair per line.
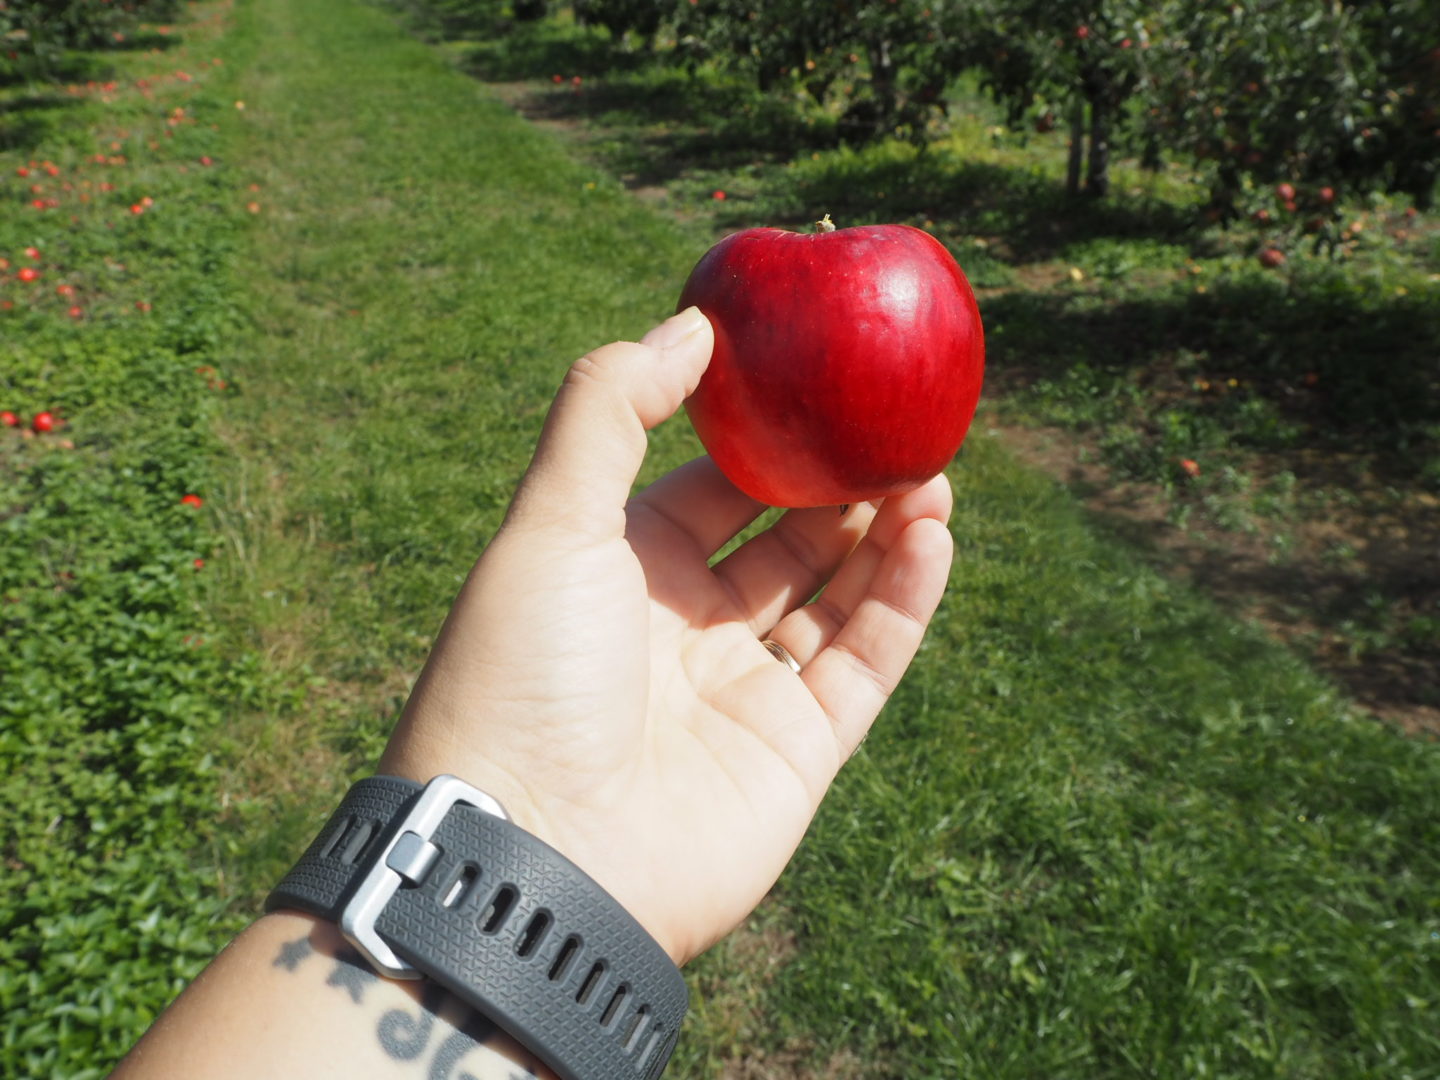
608, 685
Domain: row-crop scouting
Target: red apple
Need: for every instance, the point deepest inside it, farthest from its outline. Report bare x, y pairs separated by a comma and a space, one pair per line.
1285, 192
42, 422
847, 363
1270, 258
9, 419
1326, 195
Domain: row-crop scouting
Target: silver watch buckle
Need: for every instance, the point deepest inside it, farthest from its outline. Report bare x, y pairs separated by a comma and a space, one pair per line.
406, 859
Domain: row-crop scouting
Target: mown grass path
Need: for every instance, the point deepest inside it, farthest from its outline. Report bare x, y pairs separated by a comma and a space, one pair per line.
424, 268
1102, 831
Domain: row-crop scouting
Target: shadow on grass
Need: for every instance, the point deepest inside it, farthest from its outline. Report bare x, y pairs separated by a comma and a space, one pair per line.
519, 51
1367, 621
25, 122
453, 20
1353, 369
73, 67
1351, 381
1027, 211
666, 137
145, 41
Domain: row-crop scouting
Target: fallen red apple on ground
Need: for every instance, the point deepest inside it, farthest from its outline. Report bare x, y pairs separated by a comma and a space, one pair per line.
42, 422
847, 363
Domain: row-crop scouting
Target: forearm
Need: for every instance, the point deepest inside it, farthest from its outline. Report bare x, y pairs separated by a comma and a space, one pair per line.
290, 997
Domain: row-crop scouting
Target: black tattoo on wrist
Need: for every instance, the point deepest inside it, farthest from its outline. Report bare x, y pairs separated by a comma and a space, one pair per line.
456, 1046
293, 952
403, 1034
351, 973
404, 1037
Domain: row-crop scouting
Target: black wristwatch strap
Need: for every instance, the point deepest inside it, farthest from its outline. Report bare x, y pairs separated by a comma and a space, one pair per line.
436, 882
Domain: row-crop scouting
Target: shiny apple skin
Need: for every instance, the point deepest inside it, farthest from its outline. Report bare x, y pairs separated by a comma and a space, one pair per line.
847, 364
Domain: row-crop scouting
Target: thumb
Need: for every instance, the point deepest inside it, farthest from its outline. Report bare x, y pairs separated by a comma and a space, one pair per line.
593, 442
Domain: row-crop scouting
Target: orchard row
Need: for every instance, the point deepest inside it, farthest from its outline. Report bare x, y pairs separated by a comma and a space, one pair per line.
1314, 94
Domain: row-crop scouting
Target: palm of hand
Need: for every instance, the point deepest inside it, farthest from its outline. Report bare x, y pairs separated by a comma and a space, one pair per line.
608, 685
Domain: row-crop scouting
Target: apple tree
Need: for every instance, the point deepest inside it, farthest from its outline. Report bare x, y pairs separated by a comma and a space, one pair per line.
779, 43
883, 63
1086, 60
641, 18
1311, 95
1402, 43
1267, 91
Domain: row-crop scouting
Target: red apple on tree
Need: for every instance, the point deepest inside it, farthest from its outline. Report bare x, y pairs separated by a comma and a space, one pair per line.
1272, 258
847, 363
1285, 192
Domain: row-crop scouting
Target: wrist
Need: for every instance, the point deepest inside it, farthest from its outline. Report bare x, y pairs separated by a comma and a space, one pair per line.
290, 997
436, 883
418, 758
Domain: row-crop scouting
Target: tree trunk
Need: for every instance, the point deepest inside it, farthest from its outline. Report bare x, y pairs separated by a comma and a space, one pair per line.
1077, 147
882, 80
1097, 174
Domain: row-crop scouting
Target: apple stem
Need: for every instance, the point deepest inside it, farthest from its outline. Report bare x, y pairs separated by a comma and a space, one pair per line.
825, 225
844, 509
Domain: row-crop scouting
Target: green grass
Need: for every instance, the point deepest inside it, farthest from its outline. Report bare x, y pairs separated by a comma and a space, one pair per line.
113, 694
1111, 833
423, 271
1102, 831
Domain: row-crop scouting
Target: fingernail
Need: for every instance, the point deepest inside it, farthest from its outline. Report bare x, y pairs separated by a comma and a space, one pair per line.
675, 329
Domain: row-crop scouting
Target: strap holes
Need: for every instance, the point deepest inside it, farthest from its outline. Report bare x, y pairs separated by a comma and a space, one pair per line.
337, 837
612, 1010
636, 1028
498, 910
460, 888
564, 958
592, 982
657, 1039
356, 837
533, 934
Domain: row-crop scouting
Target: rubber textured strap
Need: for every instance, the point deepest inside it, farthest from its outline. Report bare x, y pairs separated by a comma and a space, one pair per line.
504, 922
